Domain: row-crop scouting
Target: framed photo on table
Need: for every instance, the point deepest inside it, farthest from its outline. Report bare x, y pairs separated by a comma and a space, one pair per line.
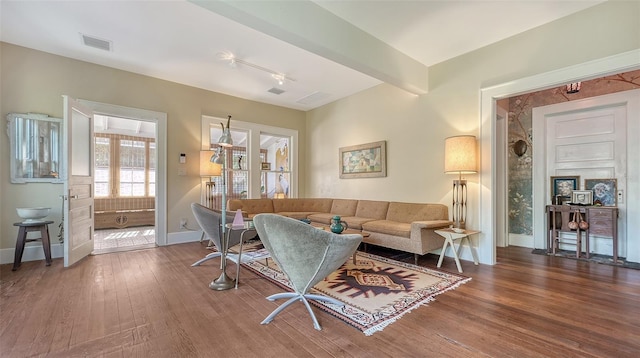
564, 185
582, 197
604, 191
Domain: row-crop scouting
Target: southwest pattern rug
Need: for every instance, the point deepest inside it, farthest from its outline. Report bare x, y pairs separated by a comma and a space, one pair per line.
376, 291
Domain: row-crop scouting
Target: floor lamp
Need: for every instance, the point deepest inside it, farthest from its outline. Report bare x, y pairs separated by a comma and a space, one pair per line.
460, 158
223, 282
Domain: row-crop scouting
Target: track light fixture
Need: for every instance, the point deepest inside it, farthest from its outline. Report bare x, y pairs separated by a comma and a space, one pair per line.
281, 78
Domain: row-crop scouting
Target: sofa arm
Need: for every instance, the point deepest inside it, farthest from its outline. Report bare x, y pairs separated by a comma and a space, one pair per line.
424, 233
430, 224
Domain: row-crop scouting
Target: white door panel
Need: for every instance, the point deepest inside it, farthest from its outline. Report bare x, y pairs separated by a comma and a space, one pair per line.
78, 186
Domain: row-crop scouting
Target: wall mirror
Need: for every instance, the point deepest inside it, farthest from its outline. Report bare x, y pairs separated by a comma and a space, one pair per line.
36, 148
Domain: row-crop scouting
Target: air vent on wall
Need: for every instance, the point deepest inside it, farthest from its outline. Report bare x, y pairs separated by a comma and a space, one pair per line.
96, 42
275, 90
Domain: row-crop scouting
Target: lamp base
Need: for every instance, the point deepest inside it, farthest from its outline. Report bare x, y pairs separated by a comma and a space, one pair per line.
222, 283
459, 212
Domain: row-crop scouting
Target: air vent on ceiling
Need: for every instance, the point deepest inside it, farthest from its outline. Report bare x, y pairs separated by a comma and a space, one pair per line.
275, 90
96, 42
314, 97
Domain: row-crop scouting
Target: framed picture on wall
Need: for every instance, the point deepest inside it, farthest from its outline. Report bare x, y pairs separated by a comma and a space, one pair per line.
363, 161
604, 191
563, 185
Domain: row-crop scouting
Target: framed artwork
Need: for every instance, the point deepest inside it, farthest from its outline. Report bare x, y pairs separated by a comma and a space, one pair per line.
604, 191
266, 166
582, 197
364, 160
564, 185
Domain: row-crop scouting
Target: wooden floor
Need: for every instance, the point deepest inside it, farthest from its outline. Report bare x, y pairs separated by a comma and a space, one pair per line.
152, 303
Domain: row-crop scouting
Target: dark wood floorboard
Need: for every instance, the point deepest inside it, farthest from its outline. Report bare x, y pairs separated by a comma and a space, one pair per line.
152, 303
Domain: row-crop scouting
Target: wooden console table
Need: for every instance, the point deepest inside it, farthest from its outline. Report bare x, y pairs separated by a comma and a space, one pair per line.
603, 220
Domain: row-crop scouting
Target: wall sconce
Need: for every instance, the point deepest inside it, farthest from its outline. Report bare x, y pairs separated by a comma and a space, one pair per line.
460, 158
574, 87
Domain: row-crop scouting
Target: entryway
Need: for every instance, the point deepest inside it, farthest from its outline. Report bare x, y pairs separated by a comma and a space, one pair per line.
114, 240
124, 184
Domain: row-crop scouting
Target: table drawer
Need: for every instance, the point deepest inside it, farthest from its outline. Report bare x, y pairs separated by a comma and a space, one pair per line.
601, 221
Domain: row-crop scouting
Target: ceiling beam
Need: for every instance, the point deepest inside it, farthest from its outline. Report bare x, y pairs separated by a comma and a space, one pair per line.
308, 26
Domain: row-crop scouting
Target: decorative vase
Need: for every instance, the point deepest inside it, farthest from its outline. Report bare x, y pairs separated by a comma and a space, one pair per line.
338, 226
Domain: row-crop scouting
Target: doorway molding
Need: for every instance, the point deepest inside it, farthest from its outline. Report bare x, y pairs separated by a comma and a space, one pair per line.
160, 119
488, 196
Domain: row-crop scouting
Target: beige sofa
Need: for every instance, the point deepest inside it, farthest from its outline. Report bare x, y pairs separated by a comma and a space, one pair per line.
408, 227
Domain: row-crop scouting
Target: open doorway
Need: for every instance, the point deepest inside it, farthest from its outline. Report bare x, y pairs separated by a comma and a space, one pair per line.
124, 185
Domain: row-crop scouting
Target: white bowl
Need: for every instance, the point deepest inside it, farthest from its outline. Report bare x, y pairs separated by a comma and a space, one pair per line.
457, 230
31, 215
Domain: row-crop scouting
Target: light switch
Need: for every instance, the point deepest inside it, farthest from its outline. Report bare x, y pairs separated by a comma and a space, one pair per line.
183, 158
182, 171
620, 196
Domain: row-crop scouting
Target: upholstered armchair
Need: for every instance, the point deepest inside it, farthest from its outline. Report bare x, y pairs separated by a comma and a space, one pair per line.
210, 222
305, 254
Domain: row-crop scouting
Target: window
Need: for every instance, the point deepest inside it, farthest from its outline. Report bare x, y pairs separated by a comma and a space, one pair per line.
255, 147
124, 166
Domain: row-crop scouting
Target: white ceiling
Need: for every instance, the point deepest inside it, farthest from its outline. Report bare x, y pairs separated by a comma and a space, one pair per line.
180, 41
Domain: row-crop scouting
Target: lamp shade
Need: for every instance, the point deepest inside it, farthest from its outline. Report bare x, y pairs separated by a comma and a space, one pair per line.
460, 155
207, 168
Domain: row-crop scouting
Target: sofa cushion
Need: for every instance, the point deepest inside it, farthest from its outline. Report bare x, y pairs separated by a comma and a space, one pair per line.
302, 205
296, 214
388, 227
355, 222
344, 207
372, 209
250, 207
408, 212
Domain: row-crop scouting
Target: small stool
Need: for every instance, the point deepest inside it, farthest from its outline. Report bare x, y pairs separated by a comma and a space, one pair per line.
41, 226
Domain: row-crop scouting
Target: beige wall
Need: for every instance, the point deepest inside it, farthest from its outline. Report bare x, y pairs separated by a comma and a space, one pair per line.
34, 81
415, 126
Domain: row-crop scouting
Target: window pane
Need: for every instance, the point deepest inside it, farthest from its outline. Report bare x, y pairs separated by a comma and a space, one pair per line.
102, 157
132, 167
101, 190
125, 175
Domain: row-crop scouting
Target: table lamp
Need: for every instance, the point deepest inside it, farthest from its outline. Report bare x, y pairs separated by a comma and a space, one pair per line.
460, 158
208, 170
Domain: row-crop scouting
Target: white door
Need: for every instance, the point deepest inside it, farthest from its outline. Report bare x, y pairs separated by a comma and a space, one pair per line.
78, 186
593, 139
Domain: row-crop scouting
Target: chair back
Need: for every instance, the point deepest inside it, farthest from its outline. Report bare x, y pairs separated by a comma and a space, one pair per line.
210, 222
305, 254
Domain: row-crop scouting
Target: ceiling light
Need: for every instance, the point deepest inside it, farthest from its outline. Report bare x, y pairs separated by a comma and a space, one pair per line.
233, 60
279, 77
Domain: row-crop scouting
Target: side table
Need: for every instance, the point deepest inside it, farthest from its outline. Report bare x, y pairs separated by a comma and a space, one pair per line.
450, 237
26, 227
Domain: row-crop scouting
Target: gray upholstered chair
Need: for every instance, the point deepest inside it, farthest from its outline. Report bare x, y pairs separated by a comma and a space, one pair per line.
210, 222
305, 254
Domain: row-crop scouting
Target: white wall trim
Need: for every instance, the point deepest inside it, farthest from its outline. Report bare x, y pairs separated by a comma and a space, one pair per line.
521, 240
487, 179
182, 237
31, 253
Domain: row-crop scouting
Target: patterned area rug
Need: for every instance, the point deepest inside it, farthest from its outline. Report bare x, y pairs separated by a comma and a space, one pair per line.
376, 291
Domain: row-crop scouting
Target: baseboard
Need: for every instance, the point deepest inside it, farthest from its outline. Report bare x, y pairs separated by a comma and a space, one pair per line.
182, 237
521, 240
31, 253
